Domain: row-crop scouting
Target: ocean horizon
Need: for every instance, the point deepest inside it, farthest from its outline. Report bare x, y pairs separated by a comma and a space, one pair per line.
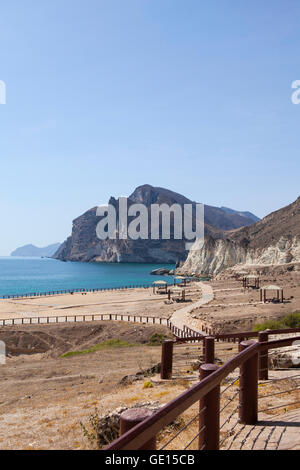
19, 276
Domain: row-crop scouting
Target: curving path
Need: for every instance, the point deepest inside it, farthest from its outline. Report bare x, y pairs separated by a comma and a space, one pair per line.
183, 317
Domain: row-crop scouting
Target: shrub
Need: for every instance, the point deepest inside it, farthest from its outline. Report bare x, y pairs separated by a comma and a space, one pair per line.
111, 343
156, 339
289, 321
148, 384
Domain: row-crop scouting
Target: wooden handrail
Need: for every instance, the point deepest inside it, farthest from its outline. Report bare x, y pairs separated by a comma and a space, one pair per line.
278, 343
138, 436
242, 334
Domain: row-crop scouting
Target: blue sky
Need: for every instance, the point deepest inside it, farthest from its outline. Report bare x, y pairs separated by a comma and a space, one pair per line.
105, 95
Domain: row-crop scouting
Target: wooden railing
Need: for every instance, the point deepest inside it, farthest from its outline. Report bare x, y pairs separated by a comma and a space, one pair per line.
82, 290
207, 392
73, 291
194, 337
83, 318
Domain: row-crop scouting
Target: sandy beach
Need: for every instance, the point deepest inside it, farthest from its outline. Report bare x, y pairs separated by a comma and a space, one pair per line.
140, 302
232, 308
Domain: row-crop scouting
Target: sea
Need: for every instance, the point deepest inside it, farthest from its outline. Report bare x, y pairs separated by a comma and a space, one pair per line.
19, 276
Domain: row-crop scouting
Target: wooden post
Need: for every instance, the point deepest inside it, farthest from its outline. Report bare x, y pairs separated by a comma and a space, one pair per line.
209, 357
248, 387
263, 371
166, 359
209, 419
131, 418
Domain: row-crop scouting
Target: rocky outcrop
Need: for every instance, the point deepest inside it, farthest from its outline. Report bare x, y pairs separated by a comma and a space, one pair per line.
83, 245
275, 240
286, 357
160, 272
108, 425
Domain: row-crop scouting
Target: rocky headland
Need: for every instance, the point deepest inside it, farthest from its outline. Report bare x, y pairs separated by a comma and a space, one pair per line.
83, 244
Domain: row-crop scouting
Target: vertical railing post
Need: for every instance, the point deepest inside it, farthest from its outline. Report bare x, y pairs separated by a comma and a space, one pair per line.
248, 387
131, 418
209, 418
263, 371
166, 359
209, 357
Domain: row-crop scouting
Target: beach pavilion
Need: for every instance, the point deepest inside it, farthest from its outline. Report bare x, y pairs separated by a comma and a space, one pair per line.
160, 287
182, 280
241, 274
178, 292
272, 288
251, 281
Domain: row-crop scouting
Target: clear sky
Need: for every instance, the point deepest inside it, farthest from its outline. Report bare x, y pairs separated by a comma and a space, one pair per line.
106, 95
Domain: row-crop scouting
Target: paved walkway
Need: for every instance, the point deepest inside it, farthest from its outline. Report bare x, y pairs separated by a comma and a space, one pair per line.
183, 317
280, 432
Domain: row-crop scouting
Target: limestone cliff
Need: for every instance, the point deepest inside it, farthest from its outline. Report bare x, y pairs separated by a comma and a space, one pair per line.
275, 240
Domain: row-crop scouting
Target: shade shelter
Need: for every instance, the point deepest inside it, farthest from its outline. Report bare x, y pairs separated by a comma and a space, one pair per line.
241, 274
182, 280
160, 286
178, 293
271, 288
251, 281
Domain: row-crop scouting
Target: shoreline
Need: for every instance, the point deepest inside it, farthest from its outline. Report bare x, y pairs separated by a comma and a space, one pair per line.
21, 277
222, 305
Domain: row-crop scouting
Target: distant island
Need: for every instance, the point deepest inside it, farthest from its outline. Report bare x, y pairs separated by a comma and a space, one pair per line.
31, 250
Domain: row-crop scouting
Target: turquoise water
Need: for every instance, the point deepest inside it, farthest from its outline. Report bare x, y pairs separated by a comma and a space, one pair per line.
24, 275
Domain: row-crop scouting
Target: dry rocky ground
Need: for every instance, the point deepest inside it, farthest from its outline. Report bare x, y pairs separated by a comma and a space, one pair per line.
238, 309
44, 397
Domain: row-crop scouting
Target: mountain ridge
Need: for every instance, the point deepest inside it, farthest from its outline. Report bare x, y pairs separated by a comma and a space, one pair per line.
32, 250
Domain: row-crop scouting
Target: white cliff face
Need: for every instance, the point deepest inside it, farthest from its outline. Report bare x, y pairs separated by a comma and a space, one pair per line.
216, 255
282, 252
213, 256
